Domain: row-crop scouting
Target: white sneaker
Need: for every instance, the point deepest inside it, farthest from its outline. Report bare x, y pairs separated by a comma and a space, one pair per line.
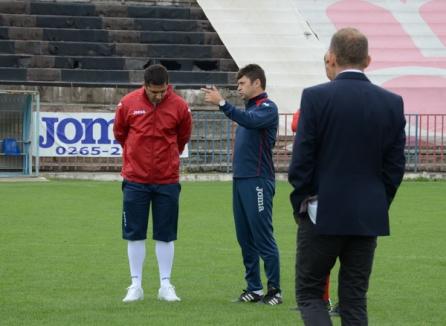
167, 293
134, 293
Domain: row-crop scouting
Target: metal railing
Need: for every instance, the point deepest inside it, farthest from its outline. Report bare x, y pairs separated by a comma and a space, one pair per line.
426, 142
210, 148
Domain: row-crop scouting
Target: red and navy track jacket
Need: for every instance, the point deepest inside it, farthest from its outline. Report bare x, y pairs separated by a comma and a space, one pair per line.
255, 137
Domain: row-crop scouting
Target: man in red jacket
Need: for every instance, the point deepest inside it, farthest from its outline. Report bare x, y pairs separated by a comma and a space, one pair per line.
153, 125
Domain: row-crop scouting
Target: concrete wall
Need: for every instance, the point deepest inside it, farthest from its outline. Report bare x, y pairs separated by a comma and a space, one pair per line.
105, 99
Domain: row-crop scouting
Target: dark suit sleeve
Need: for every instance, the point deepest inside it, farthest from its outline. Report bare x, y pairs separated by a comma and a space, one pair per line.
394, 160
303, 161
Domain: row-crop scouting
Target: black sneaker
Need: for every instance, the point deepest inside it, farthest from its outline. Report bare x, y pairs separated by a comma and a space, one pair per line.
273, 297
248, 296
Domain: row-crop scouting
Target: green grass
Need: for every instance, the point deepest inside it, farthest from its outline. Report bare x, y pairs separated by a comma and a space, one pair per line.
62, 260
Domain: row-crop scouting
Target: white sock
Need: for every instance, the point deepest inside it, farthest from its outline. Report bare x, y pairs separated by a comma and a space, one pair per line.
136, 251
164, 254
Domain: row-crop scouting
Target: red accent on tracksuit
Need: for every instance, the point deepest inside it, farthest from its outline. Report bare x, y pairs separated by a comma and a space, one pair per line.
295, 121
152, 136
326, 295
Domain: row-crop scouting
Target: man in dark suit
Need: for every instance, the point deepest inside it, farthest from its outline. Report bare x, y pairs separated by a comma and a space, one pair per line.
348, 161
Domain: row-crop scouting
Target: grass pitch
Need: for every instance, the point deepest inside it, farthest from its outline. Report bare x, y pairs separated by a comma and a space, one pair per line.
62, 260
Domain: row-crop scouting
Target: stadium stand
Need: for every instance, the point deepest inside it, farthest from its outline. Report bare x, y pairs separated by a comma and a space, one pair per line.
84, 55
108, 44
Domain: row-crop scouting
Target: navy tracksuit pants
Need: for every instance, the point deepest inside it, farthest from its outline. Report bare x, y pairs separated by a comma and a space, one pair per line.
252, 205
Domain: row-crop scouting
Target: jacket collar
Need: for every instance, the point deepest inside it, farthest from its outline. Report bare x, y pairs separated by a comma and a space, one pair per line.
168, 93
257, 100
352, 75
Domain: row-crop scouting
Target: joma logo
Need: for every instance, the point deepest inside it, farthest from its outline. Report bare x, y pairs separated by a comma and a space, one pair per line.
260, 199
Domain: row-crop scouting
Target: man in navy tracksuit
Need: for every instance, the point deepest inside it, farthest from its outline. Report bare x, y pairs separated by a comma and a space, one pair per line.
253, 181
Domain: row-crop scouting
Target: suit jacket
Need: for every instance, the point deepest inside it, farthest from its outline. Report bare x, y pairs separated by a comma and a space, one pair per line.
349, 151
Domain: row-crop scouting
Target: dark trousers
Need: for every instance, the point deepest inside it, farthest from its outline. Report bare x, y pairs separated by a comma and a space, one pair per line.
253, 205
135, 215
316, 255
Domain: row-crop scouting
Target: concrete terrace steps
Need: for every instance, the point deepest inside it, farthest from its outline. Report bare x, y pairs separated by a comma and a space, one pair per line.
108, 36
108, 44
113, 63
107, 23
110, 77
113, 49
100, 9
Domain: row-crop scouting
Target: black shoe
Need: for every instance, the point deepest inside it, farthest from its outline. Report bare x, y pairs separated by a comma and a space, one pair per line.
248, 296
273, 297
334, 311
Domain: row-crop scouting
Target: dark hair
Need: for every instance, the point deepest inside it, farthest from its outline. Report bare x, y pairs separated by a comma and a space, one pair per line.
350, 47
253, 72
156, 75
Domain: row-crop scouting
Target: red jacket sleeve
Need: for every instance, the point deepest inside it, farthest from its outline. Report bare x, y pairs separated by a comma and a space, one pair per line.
184, 129
120, 126
295, 121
